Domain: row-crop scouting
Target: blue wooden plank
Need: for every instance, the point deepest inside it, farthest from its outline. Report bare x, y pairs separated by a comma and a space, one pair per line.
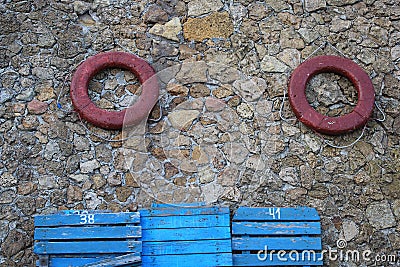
173, 211
94, 232
276, 228
79, 247
168, 205
123, 260
276, 243
198, 260
276, 214
78, 260
186, 234
300, 259
87, 219
198, 221
187, 247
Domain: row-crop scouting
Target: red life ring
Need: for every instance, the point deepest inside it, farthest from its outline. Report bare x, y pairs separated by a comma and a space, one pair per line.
114, 119
321, 123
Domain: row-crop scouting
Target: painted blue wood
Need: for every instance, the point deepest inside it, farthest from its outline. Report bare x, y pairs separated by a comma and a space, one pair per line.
75, 219
188, 247
276, 243
197, 260
185, 234
73, 261
95, 232
131, 259
276, 228
199, 221
276, 214
301, 259
95, 239
171, 211
260, 236
80, 247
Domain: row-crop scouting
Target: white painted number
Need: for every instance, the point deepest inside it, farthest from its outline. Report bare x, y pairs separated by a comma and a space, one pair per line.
87, 219
275, 213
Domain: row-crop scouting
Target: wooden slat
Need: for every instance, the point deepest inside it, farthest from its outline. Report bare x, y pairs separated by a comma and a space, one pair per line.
252, 260
197, 260
95, 232
64, 261
184, 211
276, 214
187, 247
186, 234
98, 219
79, 247
198, 221
276, 228
123, 260
276, 243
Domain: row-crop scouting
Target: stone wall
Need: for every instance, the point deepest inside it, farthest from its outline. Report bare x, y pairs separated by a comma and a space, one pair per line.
220, 133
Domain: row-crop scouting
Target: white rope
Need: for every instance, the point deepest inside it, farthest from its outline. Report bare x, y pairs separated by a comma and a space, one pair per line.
282, 106
345, 146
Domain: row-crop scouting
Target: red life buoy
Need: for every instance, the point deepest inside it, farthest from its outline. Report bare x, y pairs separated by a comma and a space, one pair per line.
114, 119
325, 124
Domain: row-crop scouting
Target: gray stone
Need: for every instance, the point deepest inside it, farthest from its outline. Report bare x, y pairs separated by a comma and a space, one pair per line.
169, 30
81, 7
7, 196
313, 5
339, 25
341, 2
350, 230
235, 152
201, 7
250, 89
245, 110
46, 40
308, 35
79, 177
89, 166
255, 162
395, 52
206, 175
43, 73
52, 150
47, 182
8, 179
182, 119
92, 200
271, 64
155, 14
380, 215
6, 94
192, 72
211, 192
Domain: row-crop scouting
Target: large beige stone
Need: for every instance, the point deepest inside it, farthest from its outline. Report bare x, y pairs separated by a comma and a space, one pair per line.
216, 25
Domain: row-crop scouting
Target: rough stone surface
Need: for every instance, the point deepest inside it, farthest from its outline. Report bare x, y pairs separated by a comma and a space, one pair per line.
271, 64
312, 5
216, 25
220, 133
37, 107
169, 30
201, 7
380, 215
